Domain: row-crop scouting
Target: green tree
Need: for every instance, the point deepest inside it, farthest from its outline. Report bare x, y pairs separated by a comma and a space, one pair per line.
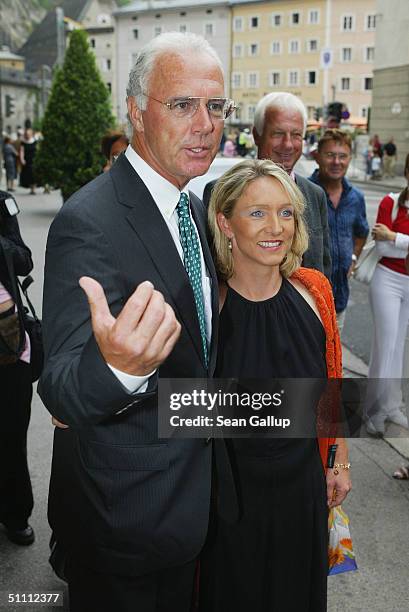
77, 115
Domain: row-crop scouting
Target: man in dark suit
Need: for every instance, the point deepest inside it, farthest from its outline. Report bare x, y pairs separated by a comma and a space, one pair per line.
130, 510
280, 123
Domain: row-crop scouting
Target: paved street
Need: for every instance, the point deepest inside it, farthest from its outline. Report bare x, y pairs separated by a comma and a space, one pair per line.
378, 505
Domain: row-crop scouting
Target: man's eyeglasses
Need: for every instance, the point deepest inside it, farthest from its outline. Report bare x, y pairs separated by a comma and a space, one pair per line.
218, 108
333, 156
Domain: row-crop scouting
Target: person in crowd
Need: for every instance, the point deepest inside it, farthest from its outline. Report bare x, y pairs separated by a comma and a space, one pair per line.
389, 302
16, 497
377, 145
280, 123
112, 145
277, 320
389, 158
346, 213
376, 166
229, 149
10, 162
27, 153
129, 510
368, 156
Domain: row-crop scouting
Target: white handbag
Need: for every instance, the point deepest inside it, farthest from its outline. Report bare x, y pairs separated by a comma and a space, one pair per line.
366, 264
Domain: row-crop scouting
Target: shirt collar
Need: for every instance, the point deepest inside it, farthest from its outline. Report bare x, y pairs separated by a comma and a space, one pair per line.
315, 178
165, 195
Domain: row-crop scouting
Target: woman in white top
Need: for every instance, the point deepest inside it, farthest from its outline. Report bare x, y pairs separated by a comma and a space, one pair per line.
389, 301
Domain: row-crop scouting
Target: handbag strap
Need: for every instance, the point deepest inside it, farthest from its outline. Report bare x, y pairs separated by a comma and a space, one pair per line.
395, 208
24, 286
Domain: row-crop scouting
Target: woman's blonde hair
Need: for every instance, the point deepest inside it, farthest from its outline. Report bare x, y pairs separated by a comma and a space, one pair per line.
230, 187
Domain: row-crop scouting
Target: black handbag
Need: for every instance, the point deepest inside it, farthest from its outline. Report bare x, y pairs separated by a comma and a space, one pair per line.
33, 327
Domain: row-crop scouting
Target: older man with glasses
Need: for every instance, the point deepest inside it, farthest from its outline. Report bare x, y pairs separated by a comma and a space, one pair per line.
131, 293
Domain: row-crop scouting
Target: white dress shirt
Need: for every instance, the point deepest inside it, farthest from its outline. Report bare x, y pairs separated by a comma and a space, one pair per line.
166, 197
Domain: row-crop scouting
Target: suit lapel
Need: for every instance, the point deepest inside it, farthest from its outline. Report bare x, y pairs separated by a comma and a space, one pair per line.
146, 220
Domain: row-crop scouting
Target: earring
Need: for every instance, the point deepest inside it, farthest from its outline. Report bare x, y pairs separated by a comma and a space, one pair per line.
230, 244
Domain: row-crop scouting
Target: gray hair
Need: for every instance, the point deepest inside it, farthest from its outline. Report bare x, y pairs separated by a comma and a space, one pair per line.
282, 100
175, 43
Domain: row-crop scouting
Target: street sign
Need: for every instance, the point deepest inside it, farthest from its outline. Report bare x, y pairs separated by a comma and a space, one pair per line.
326, 58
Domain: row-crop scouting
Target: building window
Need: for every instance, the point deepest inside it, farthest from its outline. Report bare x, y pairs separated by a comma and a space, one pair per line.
109, 87
275, 47
293, 46
345, 84
274, 79
347, 23
236, 80
370, 22
314, 16
254, 22
238, 51
368, 83
346, 54
293, 77
208, 29
252, 79
312, 45
276, 20
238, 24
108, 64
253, 49
363, 112
311, 77
157, 30
237, 113
92, 43
295, 18
369, 54
251, 109
183, 28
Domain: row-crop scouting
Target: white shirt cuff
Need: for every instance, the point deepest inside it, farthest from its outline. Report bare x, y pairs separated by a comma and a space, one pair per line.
402, 241
133, 384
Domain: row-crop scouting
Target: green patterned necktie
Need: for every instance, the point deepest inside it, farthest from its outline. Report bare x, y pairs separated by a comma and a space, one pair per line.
191, 259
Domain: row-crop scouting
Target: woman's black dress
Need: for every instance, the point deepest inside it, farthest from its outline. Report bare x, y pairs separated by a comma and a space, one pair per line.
275, 558
26, 174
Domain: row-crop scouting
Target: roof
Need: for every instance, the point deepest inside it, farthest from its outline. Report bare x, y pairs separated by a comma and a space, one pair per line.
41, 46
145, 6
6, 54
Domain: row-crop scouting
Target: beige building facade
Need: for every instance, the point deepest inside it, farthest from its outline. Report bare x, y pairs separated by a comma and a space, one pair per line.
99, 23
320, 50
139, 22
390, 106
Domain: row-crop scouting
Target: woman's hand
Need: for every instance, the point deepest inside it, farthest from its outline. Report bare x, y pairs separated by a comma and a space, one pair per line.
382, 232
338, 486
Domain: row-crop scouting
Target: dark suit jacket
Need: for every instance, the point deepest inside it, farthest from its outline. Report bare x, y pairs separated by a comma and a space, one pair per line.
318, 254
120, 498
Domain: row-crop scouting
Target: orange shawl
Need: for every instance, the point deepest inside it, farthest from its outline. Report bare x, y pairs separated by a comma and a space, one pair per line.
319, 287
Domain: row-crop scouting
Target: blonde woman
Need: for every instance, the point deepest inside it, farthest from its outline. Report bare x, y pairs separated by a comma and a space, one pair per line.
276, 320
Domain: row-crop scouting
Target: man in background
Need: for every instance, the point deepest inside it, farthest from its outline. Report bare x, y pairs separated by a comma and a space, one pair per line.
346, 213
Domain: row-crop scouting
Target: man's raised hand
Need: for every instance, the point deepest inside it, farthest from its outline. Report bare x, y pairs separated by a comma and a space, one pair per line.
143, 334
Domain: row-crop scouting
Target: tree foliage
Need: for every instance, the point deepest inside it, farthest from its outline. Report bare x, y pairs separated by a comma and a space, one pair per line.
77, 115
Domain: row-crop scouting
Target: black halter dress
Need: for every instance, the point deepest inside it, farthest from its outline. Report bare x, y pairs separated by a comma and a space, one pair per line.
275, 558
